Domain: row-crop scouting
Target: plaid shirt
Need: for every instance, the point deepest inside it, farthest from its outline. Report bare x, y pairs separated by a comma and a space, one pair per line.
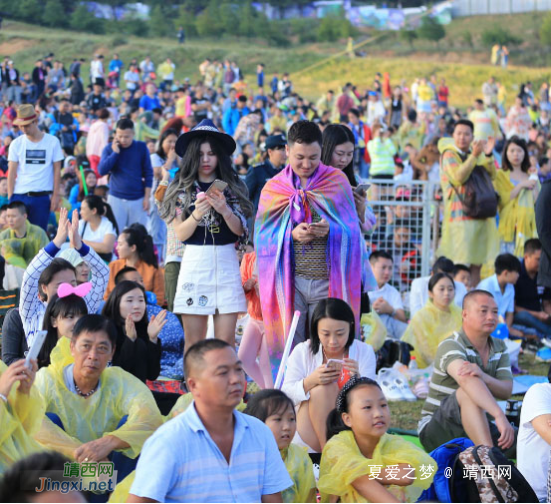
32, 308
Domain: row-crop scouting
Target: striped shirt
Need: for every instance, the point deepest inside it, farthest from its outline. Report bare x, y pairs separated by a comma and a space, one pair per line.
181, 463
32, 308
456, 347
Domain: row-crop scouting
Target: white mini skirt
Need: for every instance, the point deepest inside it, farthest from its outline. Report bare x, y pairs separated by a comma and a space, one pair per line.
209, 281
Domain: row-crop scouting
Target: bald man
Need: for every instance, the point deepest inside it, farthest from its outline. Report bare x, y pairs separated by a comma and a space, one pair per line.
471, 372
210, 452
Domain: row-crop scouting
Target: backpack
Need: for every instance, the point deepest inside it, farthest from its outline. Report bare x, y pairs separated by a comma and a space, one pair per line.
480, 198
392, 351
444, 456
486, 475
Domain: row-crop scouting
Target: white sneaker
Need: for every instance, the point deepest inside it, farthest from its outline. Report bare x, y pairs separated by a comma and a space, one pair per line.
404, 389
386, 380
546, 342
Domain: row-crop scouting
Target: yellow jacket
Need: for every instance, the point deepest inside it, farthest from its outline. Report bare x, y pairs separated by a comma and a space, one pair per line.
20, 419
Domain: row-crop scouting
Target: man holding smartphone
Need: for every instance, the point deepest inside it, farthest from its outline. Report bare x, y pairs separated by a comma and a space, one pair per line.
128, 164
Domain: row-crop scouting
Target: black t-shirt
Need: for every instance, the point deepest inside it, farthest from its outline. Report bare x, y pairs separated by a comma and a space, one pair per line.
526, 291
216, 233
200, 114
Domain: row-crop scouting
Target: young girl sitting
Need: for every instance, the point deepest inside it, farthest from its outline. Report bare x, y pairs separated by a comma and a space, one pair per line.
361, 462
277, 411
62, 313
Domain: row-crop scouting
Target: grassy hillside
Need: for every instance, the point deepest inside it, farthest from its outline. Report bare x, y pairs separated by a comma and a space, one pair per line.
464, 68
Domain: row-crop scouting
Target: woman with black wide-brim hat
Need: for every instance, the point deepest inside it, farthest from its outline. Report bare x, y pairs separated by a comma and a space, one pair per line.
209, 282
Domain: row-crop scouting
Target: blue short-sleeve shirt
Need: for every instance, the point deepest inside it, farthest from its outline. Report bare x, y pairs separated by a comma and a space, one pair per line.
181, 463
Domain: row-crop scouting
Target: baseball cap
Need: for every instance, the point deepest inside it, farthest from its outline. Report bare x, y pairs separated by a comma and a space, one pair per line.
274, 141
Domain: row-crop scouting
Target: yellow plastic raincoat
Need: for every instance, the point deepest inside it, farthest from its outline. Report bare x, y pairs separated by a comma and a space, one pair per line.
87, 419
517, 218
342, 463
428, 327
20, 419
300, 469
464, 240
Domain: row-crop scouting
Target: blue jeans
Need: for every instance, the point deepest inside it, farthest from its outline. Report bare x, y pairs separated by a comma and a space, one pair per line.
38, 208
527, 319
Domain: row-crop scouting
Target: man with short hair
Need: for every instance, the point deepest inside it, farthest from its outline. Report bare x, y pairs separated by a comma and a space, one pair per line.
91, 431
97, 73
234, 114
116, 65
39, 79
489, 91
128, 163
95, 100
466, 240
34, 172
23, 240
307, 239
210, 441
471, 371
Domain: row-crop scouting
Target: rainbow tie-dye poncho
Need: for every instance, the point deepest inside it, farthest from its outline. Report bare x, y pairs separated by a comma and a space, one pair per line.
284, 204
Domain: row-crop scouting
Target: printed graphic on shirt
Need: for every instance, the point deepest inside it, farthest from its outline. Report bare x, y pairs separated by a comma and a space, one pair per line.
35, 156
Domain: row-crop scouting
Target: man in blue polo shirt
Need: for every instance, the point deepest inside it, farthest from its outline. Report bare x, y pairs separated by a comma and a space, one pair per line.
211, 453
128, 165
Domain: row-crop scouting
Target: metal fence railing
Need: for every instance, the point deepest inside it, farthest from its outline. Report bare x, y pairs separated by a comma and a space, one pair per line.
408, 227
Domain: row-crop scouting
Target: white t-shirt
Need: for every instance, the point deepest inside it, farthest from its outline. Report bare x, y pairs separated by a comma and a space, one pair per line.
533, 458
389, 294
131, 78
103, 229
35, 172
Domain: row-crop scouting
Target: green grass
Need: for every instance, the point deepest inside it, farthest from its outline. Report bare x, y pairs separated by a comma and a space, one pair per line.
464, 68
405, 415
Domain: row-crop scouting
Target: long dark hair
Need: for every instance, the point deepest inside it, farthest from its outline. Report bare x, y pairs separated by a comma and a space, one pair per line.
112, 310
104, 209
58, 307
166, 133
268, 402
185, 179
336, 309
136, 234
334, 423
333, 135
505, 164
81, 183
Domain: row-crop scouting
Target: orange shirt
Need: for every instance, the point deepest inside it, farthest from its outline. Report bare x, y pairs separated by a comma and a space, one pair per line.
253, 301
153, 278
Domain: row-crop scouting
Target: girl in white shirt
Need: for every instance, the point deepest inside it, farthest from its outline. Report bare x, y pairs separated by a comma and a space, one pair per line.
319, 367
98, 226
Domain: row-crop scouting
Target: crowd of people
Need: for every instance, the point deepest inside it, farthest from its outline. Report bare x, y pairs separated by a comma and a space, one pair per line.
172, 237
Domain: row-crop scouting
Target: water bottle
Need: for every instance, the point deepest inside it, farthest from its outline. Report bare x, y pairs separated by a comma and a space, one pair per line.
413, 363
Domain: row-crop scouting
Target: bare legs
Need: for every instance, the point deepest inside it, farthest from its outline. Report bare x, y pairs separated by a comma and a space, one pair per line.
312, 415
474, 420
195, 328
253, 343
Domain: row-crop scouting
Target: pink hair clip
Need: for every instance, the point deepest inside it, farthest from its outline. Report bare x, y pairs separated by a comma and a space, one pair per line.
81, 290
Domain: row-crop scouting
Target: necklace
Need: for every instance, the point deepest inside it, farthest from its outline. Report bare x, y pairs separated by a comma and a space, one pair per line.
325, 355
80, 393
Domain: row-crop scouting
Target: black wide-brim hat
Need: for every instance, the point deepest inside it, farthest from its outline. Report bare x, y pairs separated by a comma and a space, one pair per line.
205, 127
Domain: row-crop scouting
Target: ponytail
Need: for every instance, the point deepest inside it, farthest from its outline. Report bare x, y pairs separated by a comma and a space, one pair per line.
137, 235
95, 202
334, 424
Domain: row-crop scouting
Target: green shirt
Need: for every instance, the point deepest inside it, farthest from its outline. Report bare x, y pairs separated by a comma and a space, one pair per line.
21, 251
456, 347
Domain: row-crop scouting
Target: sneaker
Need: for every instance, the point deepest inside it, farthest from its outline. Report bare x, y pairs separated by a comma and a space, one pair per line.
385, 379
404, 389
546, 342
544, 355
532, 347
